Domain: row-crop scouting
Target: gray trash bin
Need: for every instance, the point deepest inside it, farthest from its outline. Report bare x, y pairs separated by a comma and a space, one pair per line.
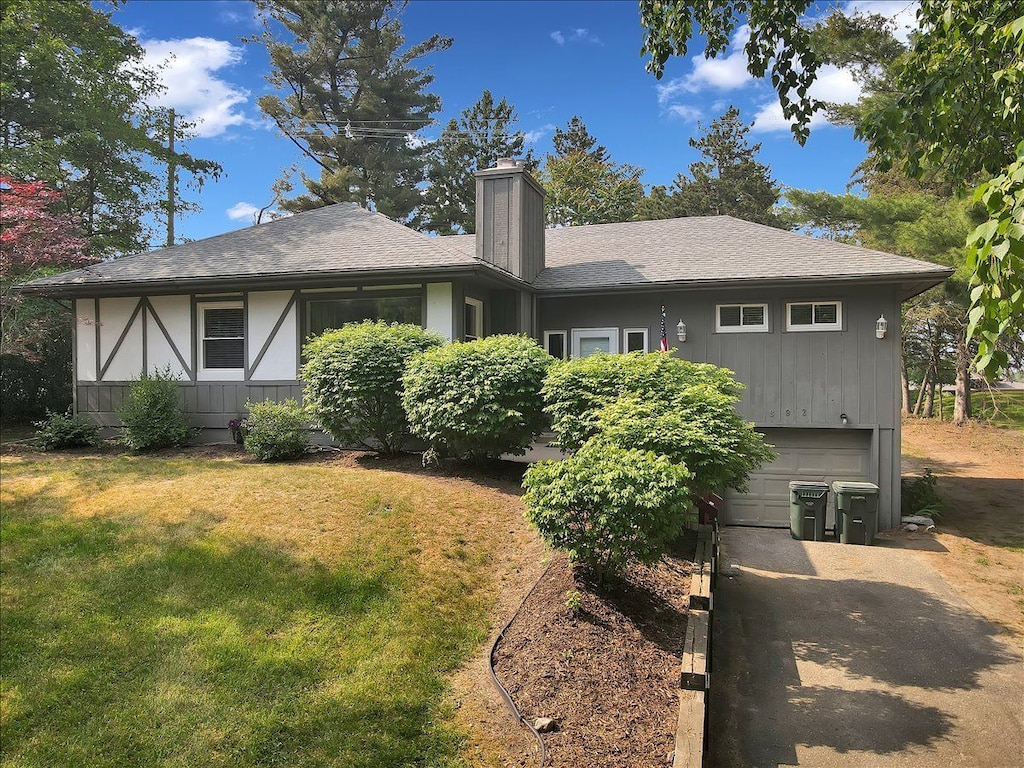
807, 504
856, 511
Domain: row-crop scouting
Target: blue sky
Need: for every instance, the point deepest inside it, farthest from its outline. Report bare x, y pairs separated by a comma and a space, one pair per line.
550, 59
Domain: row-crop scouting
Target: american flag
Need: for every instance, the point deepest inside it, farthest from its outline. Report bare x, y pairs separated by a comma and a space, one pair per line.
664, 331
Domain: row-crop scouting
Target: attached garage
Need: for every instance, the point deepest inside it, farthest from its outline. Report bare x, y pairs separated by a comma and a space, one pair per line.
804, 454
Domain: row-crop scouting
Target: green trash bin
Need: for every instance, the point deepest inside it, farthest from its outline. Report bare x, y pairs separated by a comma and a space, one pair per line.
807, 504
856, 511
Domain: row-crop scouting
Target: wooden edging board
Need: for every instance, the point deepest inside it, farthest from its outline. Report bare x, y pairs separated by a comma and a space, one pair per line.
695, 674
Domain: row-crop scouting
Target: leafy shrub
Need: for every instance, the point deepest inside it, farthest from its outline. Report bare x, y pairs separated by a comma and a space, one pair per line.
608, 506
153, 415
64, 430
698, 428
353, 381
274, 431
920, 496
576, 390
478, 399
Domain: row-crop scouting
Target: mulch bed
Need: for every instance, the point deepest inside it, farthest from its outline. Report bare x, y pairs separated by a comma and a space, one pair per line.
607, 673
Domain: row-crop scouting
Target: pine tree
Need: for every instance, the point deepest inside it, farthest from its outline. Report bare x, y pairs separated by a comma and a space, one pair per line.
480, 136
576, 138
584, 190
353, 96
728, 181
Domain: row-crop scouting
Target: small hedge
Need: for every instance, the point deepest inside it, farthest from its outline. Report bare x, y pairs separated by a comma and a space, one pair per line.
276, 431
477, 400
153, 415
353, 381
65, 430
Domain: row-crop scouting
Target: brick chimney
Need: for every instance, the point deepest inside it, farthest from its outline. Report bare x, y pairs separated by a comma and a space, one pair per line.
510, 219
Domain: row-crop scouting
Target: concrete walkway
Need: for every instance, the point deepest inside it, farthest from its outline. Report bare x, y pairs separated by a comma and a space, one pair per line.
839, 655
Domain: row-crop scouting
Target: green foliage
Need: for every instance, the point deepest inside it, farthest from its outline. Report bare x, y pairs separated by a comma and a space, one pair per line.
478, 399
581, 189
65, 430
276, 431
576, 390
153, 415
920, 496
353, 379
576, 139
31, 385
350, 93
477, 140
608, 506
573, 601
699, 429
728, 181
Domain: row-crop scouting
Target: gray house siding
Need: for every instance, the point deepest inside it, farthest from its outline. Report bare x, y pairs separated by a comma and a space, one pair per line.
795, 380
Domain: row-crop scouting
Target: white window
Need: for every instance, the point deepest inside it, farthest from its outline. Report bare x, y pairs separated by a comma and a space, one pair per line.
554, 344
814, 316
222, 340
474, 319
634, 340
588, 341
741, 318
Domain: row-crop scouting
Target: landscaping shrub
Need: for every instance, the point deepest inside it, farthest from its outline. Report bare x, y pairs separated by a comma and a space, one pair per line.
275, 431
608, 506
576, 390
478, 399
353, 381
153, 415
920, 496
65, 430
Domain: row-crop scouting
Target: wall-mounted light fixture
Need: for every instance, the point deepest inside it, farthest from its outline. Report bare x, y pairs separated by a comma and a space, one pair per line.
845, 418
881, 326
681, 330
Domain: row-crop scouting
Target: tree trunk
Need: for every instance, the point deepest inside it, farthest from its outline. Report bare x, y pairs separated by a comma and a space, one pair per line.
929, 403
920, 391
962, 398
905, 384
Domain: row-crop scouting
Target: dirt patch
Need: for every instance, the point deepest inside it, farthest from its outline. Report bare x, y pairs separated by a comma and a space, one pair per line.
978, 545
608, 671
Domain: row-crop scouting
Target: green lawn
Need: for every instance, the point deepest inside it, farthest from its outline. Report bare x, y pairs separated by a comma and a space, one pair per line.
1002, 408
209, 611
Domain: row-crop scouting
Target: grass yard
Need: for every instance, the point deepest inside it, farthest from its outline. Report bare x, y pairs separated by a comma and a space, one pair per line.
998, 407
200, 609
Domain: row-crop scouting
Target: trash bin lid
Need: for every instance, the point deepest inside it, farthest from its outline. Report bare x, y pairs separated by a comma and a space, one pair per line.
849, 486
805, 485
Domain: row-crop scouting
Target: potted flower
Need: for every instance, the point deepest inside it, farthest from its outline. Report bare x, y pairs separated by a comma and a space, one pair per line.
237, 427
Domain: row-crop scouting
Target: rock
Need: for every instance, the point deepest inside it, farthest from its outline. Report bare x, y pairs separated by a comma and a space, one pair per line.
910, 527
918, 520
544, 725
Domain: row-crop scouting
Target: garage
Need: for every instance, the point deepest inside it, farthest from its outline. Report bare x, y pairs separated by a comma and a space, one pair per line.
804, 454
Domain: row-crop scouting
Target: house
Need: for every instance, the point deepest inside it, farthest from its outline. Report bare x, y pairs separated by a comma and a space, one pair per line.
798, 319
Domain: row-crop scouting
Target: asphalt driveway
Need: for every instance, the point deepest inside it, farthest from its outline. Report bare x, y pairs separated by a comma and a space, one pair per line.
840, 655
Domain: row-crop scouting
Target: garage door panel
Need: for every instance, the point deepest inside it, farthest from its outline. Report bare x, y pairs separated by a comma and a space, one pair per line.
804, 454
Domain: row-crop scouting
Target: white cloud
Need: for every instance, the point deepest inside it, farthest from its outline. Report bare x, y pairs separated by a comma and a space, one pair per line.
558, 37
188, 70
832, 84
725, 73
532, 137
242, 210
685, 112
903, 15
575, 35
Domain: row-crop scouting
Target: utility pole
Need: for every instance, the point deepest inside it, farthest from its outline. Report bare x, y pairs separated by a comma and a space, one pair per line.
171, 178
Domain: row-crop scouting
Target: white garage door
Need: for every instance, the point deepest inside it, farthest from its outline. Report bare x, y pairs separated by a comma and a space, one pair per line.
804, 454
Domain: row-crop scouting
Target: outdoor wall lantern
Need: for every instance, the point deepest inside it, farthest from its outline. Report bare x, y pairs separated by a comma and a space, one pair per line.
881, 326
681, 331
845, 419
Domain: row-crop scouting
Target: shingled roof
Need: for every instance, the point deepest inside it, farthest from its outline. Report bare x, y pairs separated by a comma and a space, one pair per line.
331, 240
700, 249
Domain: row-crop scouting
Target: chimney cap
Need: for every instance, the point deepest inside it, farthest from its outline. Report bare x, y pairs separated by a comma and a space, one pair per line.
509, 162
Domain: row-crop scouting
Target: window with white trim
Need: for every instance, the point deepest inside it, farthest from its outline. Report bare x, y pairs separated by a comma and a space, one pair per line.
589, 341
222, 339
554, 344
474, 319
634, 339
741, 318
814, 316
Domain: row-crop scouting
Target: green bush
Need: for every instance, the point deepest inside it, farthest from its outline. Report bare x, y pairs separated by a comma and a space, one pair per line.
920, 496
478, 399
353, 381
153, 415
275, 431
64, 430
608, 506
699, 428
576, 390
